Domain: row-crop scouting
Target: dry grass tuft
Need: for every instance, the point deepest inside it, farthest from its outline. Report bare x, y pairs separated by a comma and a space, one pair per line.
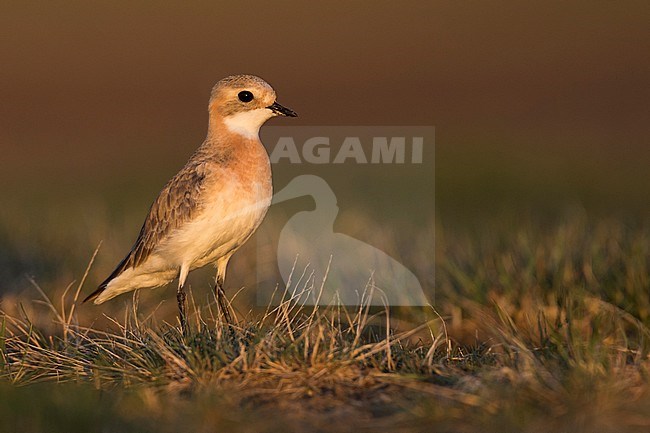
544, 330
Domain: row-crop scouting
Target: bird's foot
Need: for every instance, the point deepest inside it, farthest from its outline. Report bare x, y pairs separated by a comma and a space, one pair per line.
222, 301
180, 297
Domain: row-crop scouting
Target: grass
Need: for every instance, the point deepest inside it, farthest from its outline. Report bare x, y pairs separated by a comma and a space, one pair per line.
544, 325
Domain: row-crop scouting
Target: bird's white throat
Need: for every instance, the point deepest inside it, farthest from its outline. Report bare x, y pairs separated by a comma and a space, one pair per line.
248, 123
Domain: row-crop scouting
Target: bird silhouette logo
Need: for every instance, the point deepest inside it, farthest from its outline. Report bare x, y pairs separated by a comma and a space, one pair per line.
340, 268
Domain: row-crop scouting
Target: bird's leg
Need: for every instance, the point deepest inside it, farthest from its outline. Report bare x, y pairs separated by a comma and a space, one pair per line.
221, 299
180, 297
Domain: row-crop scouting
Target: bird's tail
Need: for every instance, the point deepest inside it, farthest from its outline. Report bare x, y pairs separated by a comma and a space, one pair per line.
121, 267
96, 293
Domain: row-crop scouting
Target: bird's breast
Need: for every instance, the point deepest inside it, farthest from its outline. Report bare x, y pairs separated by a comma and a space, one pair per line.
235, 203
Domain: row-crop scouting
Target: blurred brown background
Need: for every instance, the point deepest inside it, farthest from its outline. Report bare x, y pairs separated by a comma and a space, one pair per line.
536, 105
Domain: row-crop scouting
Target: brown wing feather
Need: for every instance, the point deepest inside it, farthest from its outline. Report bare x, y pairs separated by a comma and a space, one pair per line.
178, 202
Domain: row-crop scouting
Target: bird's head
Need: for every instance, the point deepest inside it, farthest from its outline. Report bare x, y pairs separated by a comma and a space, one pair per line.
243, 103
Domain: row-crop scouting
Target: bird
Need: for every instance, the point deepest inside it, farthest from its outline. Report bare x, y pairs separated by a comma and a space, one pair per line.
213, 205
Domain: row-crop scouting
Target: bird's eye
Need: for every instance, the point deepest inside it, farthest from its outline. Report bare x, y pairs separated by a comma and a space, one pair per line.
245, 96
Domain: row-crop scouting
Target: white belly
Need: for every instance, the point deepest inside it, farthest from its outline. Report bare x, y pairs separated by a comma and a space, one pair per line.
226, 222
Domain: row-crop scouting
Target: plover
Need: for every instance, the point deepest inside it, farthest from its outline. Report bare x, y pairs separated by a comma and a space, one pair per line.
213, 205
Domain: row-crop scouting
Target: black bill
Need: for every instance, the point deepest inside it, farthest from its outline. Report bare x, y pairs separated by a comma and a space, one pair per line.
282, 111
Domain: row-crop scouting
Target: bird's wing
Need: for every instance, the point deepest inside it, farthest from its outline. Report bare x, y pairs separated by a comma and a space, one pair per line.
178, 202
